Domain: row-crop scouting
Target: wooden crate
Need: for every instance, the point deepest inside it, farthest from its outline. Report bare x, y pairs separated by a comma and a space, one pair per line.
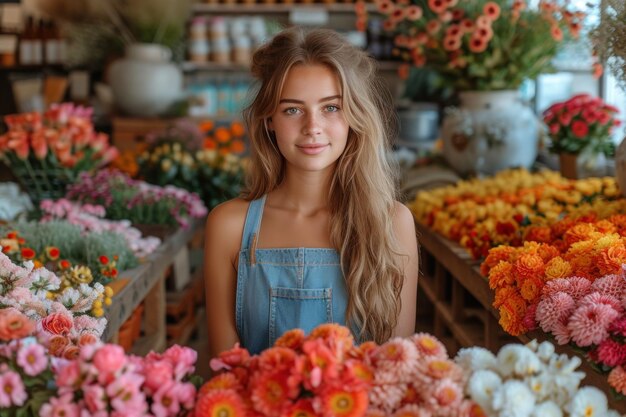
183, 311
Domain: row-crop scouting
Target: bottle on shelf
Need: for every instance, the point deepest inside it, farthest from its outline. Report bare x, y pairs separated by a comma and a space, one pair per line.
51, 39
38, 43
26, 42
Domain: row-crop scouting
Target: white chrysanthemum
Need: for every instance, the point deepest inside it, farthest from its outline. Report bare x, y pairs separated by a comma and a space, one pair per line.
588, 402
514, 399
475, 358
545, 350
533, 345
482, 386
547, 409
518, 359
562, 370
612, 413
541, 385
69, 297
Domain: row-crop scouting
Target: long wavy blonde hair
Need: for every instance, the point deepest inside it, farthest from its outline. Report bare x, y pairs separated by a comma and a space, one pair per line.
362, 190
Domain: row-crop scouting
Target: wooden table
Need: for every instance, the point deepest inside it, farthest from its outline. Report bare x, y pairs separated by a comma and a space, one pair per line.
460, 301
147, 283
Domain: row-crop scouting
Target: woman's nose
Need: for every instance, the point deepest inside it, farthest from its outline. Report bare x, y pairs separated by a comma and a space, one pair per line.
312, 125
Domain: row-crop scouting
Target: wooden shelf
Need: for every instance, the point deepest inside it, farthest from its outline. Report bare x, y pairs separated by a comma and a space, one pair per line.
277, 8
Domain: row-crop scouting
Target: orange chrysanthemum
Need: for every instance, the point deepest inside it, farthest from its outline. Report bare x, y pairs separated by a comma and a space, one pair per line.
501, 275
222, 135
610, 260
512, 312
339, 402
497, 254
579, 232
332, 331
439, 368
530, 288
220, 403
547, 252
558, 268
291, 339
542, 234
605, 226
278, 359
607, 241
428, 345
529, 265
504, 294
357, 373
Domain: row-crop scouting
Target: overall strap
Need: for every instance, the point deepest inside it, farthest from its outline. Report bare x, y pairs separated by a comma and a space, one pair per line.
252, 226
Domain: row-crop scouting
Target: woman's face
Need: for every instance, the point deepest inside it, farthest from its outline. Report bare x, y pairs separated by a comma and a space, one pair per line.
311, 131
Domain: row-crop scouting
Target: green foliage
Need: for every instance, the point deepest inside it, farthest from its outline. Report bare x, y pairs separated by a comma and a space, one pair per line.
75, 247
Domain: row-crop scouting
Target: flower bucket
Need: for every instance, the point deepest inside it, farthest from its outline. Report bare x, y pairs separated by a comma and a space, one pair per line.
162, 231
41, 184
568, 165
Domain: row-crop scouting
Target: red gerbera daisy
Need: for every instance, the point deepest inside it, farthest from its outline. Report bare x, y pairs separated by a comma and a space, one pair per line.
220, 403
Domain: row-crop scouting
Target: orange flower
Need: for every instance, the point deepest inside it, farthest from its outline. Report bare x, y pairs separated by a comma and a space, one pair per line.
237, 129
439, 368
512, 312
332, 331
437, 6
279, 359
206, 126
605, 226
529, 265
617, 379
531, 287
403, 71
57, 323
503, 294
478, 44
497, 254
610, 260
547, 252
14, 325
28, 253
491, 10
57, 344
270, 393
558, 268
357, 373
103, 259
237, 146
52, 253
222, 135
225, 380
338, 402
579, 232
301, 408
209, 143
220, 403
291, 339
542, 234
557, 33
501, 275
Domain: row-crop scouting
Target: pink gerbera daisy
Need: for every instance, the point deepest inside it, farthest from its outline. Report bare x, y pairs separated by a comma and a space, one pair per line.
396, 359
429, 345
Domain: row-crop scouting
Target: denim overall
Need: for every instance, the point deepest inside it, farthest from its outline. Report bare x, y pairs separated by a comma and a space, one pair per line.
283, 289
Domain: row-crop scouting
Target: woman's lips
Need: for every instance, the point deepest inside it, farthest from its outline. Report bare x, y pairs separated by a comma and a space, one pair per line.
312, 149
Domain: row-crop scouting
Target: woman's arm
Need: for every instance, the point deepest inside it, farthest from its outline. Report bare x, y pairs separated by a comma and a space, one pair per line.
404, 228
224, 227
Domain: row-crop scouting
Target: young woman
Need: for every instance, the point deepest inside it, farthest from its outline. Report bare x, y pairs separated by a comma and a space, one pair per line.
318, 236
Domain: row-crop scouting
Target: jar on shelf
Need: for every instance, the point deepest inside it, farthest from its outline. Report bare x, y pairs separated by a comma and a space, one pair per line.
198, 50
242, 50
198, 29
217, 28
221, 50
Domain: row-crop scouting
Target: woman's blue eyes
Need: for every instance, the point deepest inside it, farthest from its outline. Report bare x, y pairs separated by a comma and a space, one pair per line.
294, 110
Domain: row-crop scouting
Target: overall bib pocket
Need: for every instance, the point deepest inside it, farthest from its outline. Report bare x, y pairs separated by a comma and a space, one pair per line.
298, 308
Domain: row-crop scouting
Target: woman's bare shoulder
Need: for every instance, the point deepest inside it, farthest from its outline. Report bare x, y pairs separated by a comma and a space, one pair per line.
226, 220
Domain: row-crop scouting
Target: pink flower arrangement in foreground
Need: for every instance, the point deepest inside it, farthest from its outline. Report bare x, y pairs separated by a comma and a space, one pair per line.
324, 374
63, 331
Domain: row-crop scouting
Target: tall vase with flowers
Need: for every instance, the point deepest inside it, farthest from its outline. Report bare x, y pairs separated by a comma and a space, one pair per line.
46, 152
581, 129
485, 50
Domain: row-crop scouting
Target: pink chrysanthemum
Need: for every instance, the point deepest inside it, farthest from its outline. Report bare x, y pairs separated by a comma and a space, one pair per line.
395, 361
561, 333
386, 397
590, 323
618, 326
553, 309
429, 345
576, 287
448, 395
411, 410
613, 285
32, 358
611, 353
598, 298
617, 379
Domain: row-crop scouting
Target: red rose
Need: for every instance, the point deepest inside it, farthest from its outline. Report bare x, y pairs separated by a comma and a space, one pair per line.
57, 323
580, 129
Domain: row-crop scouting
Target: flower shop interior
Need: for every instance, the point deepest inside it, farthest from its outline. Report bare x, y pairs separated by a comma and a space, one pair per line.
122, 129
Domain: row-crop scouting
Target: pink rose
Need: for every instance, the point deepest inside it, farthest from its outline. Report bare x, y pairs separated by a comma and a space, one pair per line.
158, 374
57, 323
69, 375
109, 359
94, 396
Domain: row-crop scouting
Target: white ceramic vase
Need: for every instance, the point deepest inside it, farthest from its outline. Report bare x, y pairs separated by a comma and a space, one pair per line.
488, 132
145, 83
